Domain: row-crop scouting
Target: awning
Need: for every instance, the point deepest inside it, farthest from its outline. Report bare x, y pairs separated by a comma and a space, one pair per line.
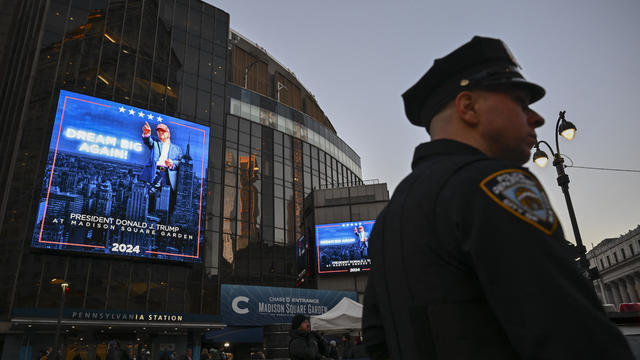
347, 315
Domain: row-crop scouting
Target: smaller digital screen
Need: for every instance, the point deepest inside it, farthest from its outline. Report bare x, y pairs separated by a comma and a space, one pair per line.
343, 247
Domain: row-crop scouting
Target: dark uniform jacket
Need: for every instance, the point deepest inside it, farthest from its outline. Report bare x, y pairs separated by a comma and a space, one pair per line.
469, 262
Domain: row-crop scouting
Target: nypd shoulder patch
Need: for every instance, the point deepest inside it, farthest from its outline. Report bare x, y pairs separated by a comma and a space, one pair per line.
522, 195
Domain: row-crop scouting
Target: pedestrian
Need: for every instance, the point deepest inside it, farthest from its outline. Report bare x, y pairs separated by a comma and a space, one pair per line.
357, 351
469, 260
223, 355
345, 340
333, 351
205, 354
188, 355
165, 355
146, 354
304, 344
50, 354
114, 352
215, 354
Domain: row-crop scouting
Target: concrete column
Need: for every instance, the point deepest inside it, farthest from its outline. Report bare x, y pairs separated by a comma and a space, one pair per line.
635, 279
603, 293
615, 291
631, 288
599, 291
609, 293
622, 287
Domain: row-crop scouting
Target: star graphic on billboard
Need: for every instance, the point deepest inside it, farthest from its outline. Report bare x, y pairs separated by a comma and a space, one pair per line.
159, 119
122, 109
131, 112
140, 114
150, 117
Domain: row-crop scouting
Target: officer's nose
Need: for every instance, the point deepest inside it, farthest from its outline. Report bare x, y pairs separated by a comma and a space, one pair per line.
534, 119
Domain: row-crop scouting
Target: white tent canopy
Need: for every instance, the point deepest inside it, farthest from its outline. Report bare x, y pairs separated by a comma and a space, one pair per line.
347, 314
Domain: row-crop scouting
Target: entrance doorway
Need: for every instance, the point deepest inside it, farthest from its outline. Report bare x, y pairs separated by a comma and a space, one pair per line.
90, 345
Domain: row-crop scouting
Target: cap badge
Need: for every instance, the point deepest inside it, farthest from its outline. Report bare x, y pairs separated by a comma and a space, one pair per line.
513, 58
464, 82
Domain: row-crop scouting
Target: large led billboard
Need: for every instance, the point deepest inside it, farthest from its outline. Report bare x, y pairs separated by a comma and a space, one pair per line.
124, 181
343, 247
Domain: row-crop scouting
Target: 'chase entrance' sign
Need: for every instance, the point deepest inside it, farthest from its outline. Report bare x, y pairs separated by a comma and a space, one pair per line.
261, 305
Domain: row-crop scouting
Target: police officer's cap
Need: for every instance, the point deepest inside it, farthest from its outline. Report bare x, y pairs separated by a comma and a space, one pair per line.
480, 63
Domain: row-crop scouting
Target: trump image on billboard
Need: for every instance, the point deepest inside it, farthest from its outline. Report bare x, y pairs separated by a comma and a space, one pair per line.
122, 180
343, 247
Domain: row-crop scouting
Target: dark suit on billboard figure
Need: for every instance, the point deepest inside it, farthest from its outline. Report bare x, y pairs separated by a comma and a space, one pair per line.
164, 161
363, 242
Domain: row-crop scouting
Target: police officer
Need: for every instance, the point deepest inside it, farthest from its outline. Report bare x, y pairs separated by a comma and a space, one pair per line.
469, 260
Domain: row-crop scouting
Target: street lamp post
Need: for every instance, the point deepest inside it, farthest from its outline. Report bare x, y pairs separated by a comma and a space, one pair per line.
63, 286
246, 72
567, 130
280, 87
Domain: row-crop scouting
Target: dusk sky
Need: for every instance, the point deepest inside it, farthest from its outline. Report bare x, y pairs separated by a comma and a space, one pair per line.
357, 57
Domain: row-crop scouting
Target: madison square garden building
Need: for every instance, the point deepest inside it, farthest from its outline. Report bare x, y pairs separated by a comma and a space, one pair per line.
144, 231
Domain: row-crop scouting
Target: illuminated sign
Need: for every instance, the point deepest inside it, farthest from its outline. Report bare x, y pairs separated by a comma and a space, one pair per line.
125, 316
123, 180
343, 247
109, 316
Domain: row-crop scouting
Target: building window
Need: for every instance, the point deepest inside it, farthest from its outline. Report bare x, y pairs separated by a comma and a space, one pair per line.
624, 256
601, 263
631, 249
608, 261
615, 256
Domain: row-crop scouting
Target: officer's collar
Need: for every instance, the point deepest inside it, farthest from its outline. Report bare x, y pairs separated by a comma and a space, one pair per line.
442, 146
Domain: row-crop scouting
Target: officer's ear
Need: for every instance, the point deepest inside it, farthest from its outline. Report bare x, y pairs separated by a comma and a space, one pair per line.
466, 107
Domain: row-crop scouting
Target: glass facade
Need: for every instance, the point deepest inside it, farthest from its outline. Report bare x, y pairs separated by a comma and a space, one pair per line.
166, 56
262, 110
271, 164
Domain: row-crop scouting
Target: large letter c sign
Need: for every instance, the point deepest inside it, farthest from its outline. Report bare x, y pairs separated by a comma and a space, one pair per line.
236, 308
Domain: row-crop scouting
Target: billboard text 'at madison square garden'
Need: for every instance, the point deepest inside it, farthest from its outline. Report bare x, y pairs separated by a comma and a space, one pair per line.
123, 181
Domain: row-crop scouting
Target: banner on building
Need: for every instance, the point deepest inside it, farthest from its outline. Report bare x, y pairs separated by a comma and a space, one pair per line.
261, 305
122, 180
